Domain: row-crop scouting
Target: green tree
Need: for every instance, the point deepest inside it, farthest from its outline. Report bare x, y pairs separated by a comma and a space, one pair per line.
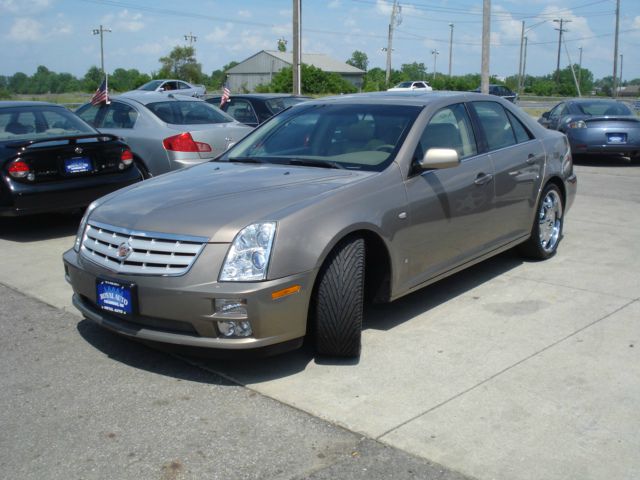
19, 83
92, 79
122, 80
359, 60
181, 64
282, 45
414, 71
314, 82
219, 76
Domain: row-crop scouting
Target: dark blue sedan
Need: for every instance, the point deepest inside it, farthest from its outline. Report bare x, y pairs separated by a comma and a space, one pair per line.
596, 126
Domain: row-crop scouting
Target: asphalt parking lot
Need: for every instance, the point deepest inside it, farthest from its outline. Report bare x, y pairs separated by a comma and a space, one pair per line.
509, 370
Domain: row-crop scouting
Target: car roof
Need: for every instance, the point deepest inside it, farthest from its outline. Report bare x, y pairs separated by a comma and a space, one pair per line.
146, 97
21, 103
414, 97
262, 96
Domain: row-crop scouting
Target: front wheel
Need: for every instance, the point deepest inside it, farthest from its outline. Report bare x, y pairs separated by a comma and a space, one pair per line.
547, 227
338, 302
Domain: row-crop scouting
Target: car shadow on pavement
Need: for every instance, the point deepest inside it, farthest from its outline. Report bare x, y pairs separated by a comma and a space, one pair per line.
604, 161
34, 228
389, 315
144, 357
245, 368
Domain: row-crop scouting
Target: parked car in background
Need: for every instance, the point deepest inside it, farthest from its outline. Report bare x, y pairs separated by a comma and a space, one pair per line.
596, 126
332, 203
255, 108
51, 160
409, 86
175, 86
501, 91
165, 132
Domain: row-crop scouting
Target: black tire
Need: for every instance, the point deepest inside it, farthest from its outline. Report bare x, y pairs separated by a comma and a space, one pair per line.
547, 225
142, 168
339, 299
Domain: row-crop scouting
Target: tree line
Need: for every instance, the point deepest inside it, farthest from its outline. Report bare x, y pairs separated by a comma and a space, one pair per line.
181, 63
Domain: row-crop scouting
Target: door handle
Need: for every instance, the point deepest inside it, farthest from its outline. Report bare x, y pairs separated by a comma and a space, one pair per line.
531, 159
483, 178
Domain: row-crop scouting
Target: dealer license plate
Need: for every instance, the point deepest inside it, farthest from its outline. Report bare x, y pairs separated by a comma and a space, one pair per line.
616, 137
115, 297
77, 165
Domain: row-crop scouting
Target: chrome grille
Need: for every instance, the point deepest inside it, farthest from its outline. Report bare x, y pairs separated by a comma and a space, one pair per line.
138, 252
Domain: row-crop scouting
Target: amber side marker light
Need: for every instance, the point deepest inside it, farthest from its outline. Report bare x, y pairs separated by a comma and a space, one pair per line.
284, 292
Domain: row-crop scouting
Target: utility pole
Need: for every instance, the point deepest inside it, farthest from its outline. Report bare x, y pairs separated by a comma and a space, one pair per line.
520, 62
190, 38
100, 31
435, 54
580, 67
621, 70
615, 52
486, 37
393, 22
562, 21
524, 64
297, 47
450, 47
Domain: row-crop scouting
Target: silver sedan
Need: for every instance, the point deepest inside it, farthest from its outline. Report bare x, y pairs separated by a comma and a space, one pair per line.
165, 132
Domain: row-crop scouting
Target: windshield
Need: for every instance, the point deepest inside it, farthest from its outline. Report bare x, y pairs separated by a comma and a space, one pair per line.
192, 112
276, 105
600, 108
356, 136
40, 122
404, 85
151, 86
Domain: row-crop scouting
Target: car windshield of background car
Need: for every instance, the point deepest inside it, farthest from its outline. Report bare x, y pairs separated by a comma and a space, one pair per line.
276, 105
150, 86
360, 137
188, 113
40, 122
604, 108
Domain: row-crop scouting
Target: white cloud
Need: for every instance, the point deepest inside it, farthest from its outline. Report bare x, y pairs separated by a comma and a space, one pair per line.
245, 14
282, 29
334, 4
124, 21
220, 34
26, 30
24, 7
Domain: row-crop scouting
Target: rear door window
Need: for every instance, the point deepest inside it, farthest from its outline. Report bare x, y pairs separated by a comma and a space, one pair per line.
188, 113
495, 124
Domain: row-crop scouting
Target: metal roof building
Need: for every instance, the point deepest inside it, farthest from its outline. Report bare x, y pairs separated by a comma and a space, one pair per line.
261, 67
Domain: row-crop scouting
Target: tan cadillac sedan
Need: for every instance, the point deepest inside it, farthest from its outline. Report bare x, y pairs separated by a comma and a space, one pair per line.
330, 204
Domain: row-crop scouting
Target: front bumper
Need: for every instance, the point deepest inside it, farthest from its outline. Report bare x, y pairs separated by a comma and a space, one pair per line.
180, 310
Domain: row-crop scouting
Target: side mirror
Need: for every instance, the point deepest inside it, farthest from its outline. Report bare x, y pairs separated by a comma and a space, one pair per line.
437, 158
545, 115
161, 89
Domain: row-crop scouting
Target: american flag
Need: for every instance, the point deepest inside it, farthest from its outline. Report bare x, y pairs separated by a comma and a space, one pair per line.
101, 95
226, 94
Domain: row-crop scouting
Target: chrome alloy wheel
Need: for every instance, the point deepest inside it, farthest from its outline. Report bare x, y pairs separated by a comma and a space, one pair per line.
550, 221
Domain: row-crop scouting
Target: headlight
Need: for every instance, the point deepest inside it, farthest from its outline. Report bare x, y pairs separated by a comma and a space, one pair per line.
577, 124
83, 225
248, 257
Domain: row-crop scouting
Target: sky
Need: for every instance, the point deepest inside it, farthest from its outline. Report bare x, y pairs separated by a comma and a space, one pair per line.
58, 33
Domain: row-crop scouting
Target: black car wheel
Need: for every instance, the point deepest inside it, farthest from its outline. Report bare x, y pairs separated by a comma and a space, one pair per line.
338, 301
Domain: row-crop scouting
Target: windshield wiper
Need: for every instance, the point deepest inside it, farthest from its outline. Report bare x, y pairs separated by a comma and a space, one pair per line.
305, 162
245, 160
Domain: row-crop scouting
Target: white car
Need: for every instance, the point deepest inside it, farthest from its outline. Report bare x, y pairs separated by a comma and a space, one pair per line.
409, 86
174, 86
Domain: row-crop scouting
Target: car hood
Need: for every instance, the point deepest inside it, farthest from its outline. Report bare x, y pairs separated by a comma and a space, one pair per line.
217, 199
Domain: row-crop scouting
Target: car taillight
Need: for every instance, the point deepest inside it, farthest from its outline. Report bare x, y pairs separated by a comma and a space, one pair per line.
184, 142
126, 159
20, 169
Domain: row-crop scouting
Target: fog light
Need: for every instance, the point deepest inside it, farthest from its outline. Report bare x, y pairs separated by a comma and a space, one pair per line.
231, 307
230, 328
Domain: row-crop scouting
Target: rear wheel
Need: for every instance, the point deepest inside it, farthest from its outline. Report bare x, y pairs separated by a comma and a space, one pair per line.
142, 167
338, 301
547, 227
